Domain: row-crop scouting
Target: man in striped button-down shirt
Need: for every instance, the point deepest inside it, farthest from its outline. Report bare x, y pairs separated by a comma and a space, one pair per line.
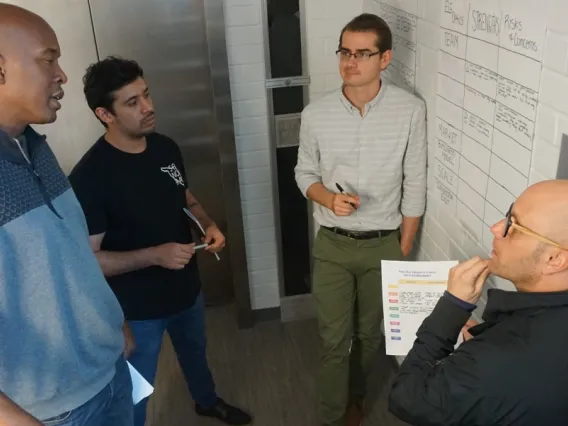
369, 140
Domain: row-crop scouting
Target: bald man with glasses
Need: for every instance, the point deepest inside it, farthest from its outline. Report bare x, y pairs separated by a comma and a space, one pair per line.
513, 368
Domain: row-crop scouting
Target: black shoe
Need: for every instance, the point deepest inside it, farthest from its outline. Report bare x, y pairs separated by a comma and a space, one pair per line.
225, 412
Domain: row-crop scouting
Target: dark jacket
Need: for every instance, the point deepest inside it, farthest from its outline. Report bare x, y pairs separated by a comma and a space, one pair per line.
513, 372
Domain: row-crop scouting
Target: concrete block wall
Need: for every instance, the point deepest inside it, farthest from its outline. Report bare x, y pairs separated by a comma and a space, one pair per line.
442, 236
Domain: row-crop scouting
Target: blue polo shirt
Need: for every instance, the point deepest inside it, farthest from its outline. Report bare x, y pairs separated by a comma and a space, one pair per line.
60, 323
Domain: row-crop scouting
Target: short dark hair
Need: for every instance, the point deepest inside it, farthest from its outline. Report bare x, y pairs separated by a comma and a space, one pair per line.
105, 77
367, 22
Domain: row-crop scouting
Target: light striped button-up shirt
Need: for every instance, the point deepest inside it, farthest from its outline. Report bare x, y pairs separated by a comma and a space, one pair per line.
380, 156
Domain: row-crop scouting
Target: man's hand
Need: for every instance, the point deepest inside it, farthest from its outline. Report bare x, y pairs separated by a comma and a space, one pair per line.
129, 343
173, 255
215, 238
12, 415
465, 329
408, 230
341, 204
466, 279
406, 248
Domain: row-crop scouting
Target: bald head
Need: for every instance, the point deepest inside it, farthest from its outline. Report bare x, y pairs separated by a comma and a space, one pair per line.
532, 263
543, 207
30, 76
17, 23
11, 15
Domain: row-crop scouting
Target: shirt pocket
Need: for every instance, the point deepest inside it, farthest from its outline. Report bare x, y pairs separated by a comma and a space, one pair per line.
59, 420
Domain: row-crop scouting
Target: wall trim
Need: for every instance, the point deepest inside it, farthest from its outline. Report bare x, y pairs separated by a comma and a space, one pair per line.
266, 314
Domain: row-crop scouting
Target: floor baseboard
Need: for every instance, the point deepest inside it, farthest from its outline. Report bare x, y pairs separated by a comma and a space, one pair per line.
268, 314
296, 308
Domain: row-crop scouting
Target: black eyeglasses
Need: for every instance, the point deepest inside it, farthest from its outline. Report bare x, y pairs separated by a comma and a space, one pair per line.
345, 55
509, 223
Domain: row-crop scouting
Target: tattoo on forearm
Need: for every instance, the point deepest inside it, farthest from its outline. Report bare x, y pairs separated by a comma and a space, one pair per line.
198, 211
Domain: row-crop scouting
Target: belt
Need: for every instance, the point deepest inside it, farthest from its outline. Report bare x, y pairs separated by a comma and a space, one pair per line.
360, 235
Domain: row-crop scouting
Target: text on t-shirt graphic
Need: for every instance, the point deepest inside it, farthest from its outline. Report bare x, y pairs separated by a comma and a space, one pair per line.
174, 173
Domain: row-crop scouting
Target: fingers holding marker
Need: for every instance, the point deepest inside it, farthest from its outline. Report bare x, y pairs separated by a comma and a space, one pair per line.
345, 205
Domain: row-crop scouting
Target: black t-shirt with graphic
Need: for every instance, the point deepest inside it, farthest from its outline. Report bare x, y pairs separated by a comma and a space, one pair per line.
137, 200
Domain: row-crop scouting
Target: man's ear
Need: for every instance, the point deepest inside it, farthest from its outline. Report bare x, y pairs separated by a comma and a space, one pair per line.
2, 69
556, 261
386, 58
104, 115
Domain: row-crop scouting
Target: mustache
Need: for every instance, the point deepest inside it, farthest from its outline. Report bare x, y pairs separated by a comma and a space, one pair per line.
149, 116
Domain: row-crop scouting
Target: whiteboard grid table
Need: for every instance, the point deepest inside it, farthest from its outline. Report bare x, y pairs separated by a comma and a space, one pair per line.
402, 21
488, 80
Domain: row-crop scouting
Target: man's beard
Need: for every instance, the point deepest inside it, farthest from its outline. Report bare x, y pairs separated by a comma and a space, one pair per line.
141, 133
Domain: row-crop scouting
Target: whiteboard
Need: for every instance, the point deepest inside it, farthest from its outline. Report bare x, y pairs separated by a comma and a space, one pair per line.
402, 18
478, 66
489, 67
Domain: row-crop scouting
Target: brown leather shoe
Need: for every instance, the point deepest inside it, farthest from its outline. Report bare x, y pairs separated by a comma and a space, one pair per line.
354, 414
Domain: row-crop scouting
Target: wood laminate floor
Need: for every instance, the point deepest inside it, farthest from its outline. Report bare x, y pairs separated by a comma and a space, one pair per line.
268, 369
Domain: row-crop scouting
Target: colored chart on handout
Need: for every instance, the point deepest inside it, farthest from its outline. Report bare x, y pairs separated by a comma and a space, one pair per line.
410, 293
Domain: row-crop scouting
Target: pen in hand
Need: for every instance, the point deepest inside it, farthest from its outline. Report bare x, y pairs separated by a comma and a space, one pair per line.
340, 189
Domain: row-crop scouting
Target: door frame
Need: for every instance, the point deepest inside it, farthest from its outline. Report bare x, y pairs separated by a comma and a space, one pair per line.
299, 306
219, 65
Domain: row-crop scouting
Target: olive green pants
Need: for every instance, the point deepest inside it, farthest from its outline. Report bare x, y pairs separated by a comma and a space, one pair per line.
348, 300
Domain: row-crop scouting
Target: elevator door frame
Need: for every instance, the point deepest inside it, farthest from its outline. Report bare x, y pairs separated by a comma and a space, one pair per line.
299, 306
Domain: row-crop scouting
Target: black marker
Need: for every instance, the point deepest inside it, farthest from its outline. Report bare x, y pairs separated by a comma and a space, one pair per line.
343, 192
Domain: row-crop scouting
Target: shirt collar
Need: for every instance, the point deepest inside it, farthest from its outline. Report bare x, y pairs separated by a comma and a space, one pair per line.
369, 106
10, 151
501, 303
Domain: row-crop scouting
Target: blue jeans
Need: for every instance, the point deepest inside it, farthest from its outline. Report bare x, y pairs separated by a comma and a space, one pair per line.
110, 407
187, 333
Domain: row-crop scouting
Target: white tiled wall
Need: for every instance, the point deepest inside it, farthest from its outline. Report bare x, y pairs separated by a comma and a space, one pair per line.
245, 42
442, 236
247, 72
324, 21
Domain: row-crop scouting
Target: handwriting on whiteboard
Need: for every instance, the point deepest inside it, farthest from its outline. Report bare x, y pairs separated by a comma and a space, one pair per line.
514, 125
489, 68
400, 22
447, 177
517, 97
403, 24
448, 156
449, 134
481, 78
477, 129
446, 196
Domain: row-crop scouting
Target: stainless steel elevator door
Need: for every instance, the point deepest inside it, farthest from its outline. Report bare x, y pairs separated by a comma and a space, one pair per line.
169, 40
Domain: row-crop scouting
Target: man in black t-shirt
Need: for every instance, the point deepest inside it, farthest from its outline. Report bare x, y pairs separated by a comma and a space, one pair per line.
133, 189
